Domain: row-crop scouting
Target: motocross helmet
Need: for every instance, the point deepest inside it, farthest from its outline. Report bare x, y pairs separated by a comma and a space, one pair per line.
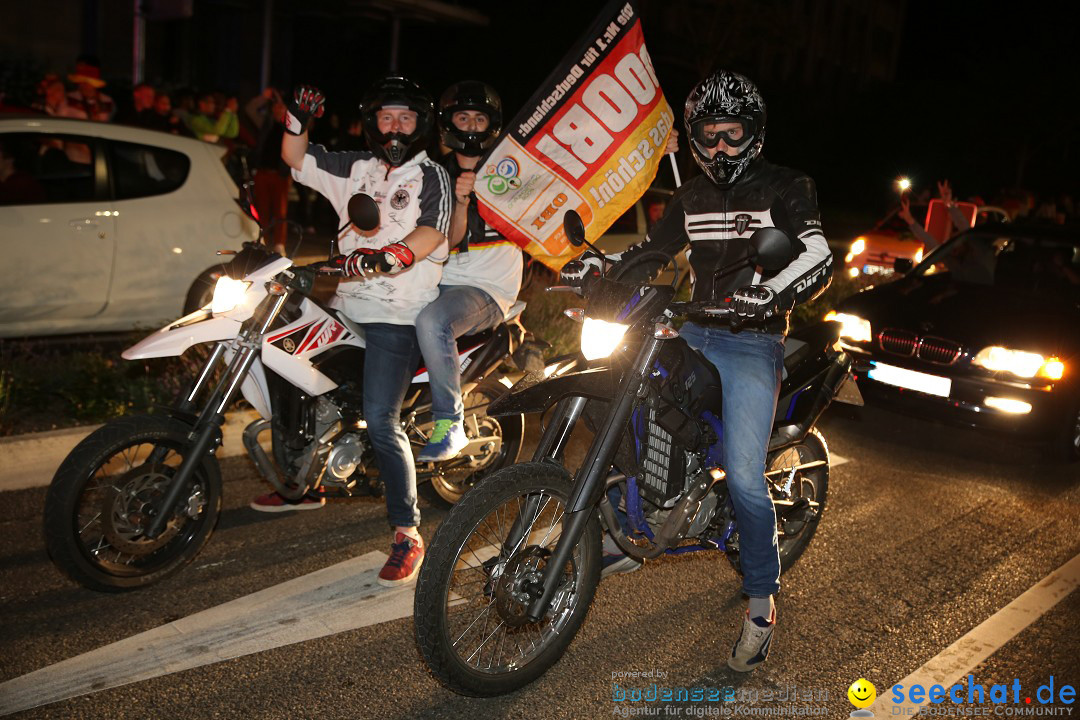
725, 97
396, 91
470, 95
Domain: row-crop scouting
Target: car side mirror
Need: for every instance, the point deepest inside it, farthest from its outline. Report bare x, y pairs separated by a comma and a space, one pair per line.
771, 249
903, 265
363, 212
574, 228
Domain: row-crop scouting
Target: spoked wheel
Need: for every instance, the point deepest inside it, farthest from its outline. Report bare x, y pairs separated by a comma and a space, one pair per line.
472, 594
798, 515
104, 497
452, 478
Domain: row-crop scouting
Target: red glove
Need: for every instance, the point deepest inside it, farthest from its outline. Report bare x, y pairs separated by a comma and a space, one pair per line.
390, 259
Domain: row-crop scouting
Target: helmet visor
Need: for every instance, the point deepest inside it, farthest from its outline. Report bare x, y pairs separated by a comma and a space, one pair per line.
709, 131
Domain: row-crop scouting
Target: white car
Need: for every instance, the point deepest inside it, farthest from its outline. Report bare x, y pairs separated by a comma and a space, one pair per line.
108, 227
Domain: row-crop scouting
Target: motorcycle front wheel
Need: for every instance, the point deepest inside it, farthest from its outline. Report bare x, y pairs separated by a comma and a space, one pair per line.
470, 605
105, 493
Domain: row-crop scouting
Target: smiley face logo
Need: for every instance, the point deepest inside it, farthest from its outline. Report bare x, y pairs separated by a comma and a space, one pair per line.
862, 693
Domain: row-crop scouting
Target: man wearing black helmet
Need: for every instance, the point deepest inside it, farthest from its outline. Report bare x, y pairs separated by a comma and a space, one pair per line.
715, 214
482, 276
389, 274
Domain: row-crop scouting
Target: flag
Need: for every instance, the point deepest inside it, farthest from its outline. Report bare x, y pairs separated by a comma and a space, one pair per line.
590, 139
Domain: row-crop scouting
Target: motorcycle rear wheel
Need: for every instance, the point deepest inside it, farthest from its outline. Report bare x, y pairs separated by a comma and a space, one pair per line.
454, 477
96, 507
470, 603
813, 485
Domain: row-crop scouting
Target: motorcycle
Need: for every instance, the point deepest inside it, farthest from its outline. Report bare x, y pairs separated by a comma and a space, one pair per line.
138, 498
510, 573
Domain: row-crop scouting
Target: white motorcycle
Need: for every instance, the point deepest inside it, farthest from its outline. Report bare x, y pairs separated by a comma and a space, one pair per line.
138, 498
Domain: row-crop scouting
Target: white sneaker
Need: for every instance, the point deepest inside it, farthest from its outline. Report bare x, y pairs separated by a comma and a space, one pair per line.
752, 647
614, 561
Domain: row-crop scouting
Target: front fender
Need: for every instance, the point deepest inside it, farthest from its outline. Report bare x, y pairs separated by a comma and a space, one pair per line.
535, 393
175, 338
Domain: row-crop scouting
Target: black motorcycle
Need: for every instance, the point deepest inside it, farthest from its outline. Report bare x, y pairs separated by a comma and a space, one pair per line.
511, 572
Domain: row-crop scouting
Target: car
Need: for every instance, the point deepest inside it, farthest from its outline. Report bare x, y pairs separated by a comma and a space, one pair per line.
875, 251
984, 332
108, 227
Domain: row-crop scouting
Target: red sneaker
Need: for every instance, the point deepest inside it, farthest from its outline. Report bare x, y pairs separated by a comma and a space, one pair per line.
406, 557
272, 502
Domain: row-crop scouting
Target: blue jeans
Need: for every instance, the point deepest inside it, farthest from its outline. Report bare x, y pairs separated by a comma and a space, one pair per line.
750, 366
389, 362
459, 310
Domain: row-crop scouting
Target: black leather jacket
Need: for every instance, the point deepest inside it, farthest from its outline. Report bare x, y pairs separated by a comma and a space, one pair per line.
717, 223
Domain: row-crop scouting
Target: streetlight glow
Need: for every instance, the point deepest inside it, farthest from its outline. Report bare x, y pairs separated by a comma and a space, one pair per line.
904, 184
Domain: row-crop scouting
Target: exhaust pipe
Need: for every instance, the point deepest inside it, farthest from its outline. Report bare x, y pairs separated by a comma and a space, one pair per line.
267, 468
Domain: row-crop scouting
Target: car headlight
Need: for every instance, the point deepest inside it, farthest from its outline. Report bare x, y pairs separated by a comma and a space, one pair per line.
228, 293
852, 327
1023, 364
599, 338
858, 246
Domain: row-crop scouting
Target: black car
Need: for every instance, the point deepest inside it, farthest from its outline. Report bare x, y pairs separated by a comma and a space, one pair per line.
984, 332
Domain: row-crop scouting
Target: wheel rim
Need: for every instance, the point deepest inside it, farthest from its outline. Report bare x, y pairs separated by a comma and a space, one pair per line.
805, 485
1076, 434
486, 599
453, 477
111, 511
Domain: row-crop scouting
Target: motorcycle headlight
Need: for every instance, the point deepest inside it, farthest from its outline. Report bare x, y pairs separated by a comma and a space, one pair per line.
1023, 364
852, 327
599, 338
228, 293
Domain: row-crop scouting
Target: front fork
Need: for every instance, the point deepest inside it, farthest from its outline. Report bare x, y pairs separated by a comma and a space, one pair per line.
206, 433
591, 478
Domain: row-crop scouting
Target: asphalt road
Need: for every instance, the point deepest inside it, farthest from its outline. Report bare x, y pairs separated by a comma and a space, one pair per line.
929, 531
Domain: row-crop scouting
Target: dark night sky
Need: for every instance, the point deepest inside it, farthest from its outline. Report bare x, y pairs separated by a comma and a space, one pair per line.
979, 85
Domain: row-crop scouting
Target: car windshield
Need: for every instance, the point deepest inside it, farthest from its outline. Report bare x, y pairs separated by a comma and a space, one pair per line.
1021, 263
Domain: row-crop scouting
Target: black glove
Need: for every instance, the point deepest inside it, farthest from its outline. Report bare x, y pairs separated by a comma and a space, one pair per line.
583, 270
760, 302
307, 103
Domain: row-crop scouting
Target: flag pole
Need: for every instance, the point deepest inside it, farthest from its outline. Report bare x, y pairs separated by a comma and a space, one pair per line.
675, 170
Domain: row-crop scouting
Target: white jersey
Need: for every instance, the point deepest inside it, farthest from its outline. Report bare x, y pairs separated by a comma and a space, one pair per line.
414, 194
492, 264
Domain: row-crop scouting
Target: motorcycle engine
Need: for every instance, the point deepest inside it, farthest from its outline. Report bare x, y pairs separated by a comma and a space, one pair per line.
344, 456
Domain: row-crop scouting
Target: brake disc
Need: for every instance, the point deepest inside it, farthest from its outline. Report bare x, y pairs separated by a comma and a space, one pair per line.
511, 599
129, 505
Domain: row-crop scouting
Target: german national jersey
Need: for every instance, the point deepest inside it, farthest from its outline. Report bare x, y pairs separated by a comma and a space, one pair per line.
415, 194
492, 262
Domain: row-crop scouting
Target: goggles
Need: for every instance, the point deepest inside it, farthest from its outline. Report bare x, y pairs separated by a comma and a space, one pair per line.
708, 132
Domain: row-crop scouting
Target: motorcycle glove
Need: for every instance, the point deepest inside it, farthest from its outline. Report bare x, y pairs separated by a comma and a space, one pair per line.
582, 271
307, 103
760, 302
390, 259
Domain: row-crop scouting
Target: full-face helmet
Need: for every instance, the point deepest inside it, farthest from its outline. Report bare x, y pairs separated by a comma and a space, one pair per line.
470, 95
730, 99
390, 92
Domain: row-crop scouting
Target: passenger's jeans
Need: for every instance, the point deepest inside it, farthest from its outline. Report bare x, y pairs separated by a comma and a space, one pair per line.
750, 365
389, 362
459, 310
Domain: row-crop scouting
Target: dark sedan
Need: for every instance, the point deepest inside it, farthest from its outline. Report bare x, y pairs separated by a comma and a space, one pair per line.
985, 332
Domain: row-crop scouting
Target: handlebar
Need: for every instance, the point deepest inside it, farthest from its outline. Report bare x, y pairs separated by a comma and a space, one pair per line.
716, 308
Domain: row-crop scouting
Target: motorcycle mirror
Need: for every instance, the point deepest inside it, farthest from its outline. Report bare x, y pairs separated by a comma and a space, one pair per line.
363, 212
574, 228
771, 249
246, 201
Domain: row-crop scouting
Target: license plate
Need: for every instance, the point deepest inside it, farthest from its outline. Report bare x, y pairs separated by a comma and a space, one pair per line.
910, 379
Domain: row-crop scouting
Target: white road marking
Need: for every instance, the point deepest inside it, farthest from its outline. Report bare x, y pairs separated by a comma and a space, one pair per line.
955, 661
835, 460
326, 602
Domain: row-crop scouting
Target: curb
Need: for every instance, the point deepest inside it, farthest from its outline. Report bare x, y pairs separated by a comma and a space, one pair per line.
29, 461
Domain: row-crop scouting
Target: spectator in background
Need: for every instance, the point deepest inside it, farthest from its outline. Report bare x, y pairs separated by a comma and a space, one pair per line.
142, 106
87, 95
16, 186
207, 125
162, 118
272, 177
54, 100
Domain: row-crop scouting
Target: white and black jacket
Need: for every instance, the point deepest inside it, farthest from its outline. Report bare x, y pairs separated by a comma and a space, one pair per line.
717, 224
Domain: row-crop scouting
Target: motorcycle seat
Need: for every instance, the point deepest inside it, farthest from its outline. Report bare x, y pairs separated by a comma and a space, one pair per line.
808, 341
